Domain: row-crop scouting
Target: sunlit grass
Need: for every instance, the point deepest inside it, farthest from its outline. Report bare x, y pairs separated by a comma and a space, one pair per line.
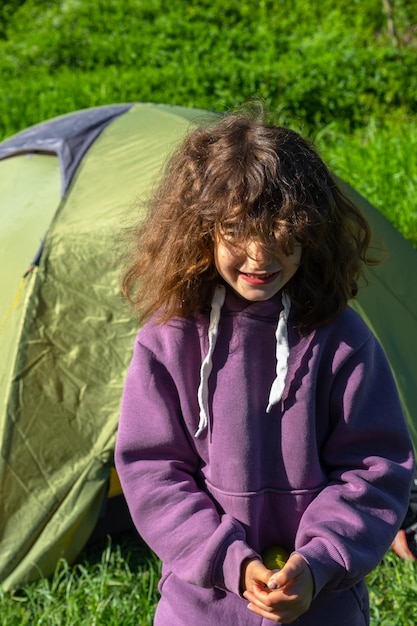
393, 592
112, 585
380, 161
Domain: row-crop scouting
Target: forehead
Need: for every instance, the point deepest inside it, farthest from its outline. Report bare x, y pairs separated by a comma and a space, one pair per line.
249, 217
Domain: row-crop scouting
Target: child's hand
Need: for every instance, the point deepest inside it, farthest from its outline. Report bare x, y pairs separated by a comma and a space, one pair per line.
282, 596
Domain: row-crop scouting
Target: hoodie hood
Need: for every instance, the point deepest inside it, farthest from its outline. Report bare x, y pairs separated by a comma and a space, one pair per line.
282, 354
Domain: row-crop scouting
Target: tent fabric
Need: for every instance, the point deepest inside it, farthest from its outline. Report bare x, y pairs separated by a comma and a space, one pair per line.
67, 136
66, 335
73, 337
389, 305
29, 195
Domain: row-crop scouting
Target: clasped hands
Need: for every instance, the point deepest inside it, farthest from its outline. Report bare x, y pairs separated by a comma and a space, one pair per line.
280, 596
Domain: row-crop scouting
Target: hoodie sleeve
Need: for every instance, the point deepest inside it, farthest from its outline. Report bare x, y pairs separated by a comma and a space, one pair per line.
347, 529
157, 465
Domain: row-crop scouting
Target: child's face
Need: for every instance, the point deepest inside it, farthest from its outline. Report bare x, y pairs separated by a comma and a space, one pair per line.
251, 272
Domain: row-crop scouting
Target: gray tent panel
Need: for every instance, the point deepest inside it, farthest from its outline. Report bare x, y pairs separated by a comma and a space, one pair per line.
68, 136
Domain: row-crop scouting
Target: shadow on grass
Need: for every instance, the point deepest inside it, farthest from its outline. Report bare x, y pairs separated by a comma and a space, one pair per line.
115, 530
128, 543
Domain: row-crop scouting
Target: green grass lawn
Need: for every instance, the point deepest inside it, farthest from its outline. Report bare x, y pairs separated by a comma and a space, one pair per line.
112, 584
379, 161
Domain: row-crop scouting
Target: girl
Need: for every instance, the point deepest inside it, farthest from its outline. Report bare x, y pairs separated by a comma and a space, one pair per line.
259, 409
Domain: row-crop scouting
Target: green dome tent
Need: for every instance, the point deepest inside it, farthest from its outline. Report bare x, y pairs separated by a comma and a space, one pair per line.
65, 334
67, 187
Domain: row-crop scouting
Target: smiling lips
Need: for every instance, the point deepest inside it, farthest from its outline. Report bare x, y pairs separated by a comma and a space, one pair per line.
259, 279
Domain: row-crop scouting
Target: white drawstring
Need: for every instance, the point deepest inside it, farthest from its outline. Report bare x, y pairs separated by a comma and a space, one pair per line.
207, 364
282, 354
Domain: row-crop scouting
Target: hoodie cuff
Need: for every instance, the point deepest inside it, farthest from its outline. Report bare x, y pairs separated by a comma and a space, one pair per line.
325, 570
237, 552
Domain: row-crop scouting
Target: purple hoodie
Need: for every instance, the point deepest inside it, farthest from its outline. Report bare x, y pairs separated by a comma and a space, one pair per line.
326, 472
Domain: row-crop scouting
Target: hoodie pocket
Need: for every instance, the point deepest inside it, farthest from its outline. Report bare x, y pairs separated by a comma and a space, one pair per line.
360, 594
269, 516
163, 580
345, 607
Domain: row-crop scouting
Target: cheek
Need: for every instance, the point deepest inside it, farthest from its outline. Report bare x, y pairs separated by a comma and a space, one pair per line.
297, 254
218, 255
224, 258
219, 261
296, 257
293, 263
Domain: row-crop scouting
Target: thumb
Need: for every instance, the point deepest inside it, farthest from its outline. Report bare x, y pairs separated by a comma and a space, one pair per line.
293, 568
261, 573
255, 574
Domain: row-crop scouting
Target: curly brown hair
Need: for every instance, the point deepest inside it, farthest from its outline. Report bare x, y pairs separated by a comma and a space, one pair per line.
262, 181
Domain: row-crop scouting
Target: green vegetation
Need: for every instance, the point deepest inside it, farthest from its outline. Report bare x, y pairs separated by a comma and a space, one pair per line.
341, 73
380, 161
330, 66
112, 585
346, 69
315, 62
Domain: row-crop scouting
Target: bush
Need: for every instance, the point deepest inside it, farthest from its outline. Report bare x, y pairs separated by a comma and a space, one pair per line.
313, 63
317, 65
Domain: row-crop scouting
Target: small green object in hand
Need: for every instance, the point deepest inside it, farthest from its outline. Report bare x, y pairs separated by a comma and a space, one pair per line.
275, 557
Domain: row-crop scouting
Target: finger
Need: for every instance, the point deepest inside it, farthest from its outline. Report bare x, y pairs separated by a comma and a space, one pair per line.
277, 606
274, 617
294, 567
282, 617
273, 584
270, 602
284, 613
258, 600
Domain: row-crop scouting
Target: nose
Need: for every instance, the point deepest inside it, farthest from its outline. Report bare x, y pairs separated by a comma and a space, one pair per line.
257, 254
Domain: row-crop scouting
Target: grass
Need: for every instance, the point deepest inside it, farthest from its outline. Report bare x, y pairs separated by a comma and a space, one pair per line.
114, 583
380, 162
393, 592
338, 65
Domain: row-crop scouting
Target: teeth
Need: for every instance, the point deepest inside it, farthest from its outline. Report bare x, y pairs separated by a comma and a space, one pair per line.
260, 275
